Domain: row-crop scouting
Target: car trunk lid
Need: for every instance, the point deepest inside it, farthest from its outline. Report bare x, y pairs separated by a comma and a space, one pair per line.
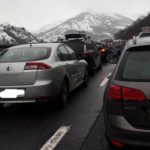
137, 112
12, 74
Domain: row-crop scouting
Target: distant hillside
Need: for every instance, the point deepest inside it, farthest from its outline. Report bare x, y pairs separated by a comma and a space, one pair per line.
15, 35
97, 25
134, 29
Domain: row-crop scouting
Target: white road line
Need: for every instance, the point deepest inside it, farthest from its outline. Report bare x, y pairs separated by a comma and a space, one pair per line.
56, 138
109, 74
105, 80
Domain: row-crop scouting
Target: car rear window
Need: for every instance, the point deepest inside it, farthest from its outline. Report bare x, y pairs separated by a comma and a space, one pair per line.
78, 47
24, 54
135, 65
91, 46
145, 35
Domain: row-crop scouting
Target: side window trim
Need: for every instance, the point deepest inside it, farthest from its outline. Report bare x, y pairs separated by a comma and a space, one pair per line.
69, 53
63, 59
60, 55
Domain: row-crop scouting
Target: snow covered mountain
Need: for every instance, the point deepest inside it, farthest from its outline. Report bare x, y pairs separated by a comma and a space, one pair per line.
14, 35
97, 25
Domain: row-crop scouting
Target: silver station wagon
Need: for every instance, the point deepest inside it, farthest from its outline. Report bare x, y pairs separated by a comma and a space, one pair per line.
40, 72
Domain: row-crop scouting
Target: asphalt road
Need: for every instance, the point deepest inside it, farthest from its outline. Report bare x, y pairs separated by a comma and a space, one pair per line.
29, 126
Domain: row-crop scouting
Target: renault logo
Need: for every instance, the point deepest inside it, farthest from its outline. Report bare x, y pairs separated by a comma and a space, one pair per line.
8, 68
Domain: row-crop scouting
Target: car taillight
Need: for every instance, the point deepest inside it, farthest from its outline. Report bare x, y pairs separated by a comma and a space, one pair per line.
102, 50
132, 94
116, 92
88, 52
36, 65
118, 143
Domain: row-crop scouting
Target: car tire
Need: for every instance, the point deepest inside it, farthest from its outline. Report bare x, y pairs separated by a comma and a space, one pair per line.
1, 105
64, 95
100, 65
85, 82
92, 71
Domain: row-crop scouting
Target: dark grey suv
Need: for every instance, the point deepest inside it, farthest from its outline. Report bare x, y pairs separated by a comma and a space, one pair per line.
127, 97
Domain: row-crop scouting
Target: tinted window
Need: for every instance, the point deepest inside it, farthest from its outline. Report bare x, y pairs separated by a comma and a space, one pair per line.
99, 45
91, 46
24, 54
63, 54
145, 35
78, 47
135, 66
71, 52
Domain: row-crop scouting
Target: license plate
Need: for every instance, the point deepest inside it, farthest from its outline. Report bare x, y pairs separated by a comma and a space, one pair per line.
12, 93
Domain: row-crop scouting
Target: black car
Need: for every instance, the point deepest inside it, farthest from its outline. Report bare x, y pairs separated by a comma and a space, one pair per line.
127, 97
85, 48
102, 50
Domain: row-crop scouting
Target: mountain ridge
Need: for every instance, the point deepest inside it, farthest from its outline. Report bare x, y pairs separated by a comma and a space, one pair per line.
96, 25
10, 34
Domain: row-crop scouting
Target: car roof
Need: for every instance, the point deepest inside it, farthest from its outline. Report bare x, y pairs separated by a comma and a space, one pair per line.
48, 45
137, 42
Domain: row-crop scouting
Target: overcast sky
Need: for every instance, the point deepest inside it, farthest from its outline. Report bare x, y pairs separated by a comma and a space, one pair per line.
34, 14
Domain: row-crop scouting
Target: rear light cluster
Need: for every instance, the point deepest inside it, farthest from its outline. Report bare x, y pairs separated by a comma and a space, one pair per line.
116, 92
118, 144
102, 50
36, 65
88, 52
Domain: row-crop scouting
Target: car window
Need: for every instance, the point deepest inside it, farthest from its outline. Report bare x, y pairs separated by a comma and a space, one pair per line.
91, 46
71, 52
63, 54
3, 52
99, 45
135, 66
24, 54
78, 47
144, 34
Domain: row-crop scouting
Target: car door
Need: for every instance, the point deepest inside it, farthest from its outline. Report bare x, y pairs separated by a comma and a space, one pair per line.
69, 65
79, 65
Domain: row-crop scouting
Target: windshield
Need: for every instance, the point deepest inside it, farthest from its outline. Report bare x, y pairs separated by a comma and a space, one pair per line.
24, 54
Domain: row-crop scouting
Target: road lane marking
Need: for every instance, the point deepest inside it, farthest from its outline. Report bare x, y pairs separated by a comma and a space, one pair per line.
56, 138
105, 80
109, 74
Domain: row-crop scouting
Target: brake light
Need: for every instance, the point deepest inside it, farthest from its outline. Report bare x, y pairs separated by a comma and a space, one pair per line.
117, 143
116, 92
132, 94
102, 50
36, 65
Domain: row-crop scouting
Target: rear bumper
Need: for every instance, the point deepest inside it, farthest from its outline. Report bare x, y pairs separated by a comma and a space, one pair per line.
118, 128
40, 91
